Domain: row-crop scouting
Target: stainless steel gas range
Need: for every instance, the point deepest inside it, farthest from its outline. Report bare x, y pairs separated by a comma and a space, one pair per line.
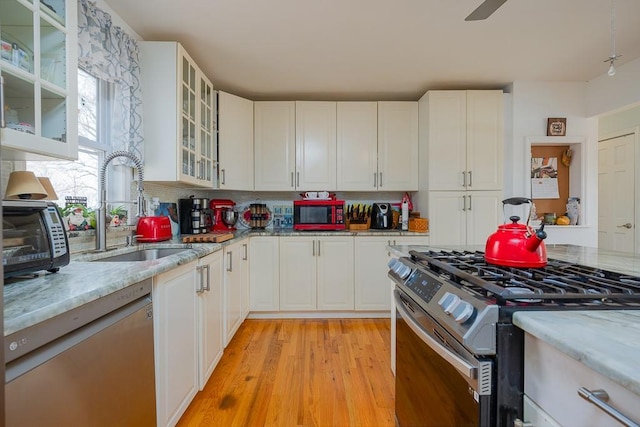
459, 358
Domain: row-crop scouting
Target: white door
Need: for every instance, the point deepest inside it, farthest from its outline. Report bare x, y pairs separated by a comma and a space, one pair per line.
484, 214
398, 146
264, 273
297, 273
616, 194
447, 217
233, 290
274, 145
334, 260
315, 145
357, 145
235, 142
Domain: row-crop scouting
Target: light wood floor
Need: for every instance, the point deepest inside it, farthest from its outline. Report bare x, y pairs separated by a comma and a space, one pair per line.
311, 372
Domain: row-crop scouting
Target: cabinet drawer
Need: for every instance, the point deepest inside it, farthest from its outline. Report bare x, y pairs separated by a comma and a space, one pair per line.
552, 380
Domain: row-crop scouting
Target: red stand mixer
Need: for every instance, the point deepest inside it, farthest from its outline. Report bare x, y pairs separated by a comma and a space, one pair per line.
225, 215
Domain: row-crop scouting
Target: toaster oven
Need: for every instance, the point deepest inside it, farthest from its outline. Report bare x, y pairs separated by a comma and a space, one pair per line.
33, 237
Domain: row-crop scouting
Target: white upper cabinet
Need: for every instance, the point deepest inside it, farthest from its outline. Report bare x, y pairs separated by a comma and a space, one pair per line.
274, 145
357, 146
315, 145
397, 146
235, 142
178, 109
465, 140
39, 65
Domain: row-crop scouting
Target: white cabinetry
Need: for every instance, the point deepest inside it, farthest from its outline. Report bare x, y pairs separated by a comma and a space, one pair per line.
235, 142
235, 280
316, 273
357, 146
459, 218
187, 304
465, 140
370, 276
315, 145
274, 145
264, 273
39, 66
397, 146
551, 382
176, 341
461, 135
178, 109
209, 315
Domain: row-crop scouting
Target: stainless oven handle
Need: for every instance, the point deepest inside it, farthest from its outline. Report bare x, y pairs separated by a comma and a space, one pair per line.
600, 399
461, 365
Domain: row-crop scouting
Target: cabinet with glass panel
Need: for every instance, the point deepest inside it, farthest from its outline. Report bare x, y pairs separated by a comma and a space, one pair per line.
38, 62
178, 112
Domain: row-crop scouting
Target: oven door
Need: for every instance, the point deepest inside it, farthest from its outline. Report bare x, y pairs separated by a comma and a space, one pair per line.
438, 382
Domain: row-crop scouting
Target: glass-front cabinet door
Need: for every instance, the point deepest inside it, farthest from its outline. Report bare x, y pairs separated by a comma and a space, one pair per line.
207, 131
38, 60
188, 126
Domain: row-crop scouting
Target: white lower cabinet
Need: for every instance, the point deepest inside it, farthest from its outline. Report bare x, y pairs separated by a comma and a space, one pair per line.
264, 273
236, 277
551, 383
187, 330
370, 276
210, 315
316, 273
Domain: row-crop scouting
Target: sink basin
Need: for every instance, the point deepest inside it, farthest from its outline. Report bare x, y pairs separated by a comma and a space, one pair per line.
142, 255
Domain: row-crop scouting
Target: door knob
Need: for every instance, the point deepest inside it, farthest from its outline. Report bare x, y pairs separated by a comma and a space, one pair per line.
627, 225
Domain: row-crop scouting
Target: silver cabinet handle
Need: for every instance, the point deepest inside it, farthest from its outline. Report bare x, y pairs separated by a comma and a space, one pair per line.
292, 186
208, 287
380, 180
224, 176
313, 248
469, 202
375, 180
627, 225
201, 288
600, 399
297, 179
464, 179
246, 252
470, 182
230, 265
318, 247
464, 203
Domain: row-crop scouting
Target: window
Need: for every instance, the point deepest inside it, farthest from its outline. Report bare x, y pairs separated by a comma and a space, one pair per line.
80, 178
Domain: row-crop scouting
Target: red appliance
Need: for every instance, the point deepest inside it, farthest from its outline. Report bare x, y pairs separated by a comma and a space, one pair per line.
517, 245
318, 215
153, 229
218, 207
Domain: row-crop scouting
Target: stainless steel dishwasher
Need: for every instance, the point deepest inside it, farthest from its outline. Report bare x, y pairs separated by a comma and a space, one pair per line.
93, 365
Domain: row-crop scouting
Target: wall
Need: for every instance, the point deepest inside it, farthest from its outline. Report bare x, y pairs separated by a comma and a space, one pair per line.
533, 103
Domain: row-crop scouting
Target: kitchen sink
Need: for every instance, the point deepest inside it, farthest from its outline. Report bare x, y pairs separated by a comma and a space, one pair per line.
142, 255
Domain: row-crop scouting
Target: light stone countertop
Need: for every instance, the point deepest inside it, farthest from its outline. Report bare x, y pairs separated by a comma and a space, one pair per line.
28, 301
607, 341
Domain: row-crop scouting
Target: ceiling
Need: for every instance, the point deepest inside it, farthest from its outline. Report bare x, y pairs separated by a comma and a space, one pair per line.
386, 50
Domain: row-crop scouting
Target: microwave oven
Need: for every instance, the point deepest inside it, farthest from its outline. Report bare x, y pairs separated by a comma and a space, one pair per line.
318, 215
33, 237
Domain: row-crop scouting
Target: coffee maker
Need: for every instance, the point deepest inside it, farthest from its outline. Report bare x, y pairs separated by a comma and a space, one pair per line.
219, 207
194, 215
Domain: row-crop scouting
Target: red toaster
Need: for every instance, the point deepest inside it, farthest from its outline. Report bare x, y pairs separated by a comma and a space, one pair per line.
153, 229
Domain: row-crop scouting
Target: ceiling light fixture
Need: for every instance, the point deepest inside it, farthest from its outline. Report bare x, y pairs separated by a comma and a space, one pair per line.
612, 58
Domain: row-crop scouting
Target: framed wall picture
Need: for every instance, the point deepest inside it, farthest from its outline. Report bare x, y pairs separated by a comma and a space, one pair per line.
557, 126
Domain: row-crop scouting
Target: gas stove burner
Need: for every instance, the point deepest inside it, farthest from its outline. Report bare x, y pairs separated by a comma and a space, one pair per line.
558, 283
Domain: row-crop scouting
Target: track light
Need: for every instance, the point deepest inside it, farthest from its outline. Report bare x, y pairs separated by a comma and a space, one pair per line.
612, 58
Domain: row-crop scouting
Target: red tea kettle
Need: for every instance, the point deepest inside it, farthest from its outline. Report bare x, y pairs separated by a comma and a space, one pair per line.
517, 245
